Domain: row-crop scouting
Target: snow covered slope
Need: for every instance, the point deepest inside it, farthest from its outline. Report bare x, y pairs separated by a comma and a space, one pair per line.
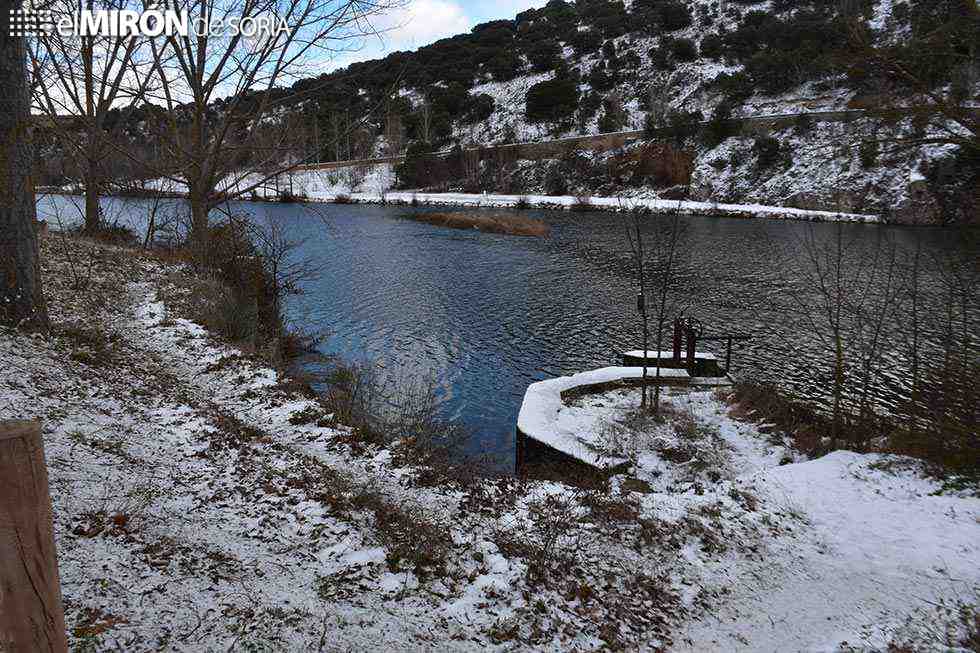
201, 503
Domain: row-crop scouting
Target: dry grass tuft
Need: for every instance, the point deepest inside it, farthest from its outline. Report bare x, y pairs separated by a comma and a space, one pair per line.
494, 223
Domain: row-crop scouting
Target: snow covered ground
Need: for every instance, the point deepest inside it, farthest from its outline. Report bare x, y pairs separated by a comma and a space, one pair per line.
203, 504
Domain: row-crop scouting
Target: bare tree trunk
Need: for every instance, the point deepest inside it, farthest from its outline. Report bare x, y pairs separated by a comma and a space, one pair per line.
199, 218
93, 217
914, 344
633, 230
93, 212
32, 616
656, 383
21, 296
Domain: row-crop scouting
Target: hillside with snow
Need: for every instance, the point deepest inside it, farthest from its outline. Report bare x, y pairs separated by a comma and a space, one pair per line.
689, 72
629, 67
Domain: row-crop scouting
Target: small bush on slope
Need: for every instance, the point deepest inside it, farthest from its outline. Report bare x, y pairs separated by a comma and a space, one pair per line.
768, 150
552, 101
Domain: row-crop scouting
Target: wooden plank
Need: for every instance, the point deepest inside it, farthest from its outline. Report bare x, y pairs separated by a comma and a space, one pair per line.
32, 616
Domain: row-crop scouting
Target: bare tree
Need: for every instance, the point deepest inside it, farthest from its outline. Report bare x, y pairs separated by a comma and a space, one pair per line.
656, 264
193, 72
848, 296
952, 382
659, 92
337, 126
21, 294
285, 272
820, 299
634, 236
394, 130
874, 306
86, 77
425, 121
912, 335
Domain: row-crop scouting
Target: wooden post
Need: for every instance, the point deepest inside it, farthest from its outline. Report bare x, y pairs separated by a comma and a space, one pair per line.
32, 616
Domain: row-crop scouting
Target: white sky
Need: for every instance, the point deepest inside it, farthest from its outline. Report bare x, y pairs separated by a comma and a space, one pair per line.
422, 22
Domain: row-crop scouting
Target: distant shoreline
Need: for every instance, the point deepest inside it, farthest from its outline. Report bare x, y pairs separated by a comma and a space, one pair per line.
551, 203
590, 203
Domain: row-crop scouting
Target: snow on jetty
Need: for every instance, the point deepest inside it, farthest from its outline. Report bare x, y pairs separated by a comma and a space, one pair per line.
653, 356
543, 417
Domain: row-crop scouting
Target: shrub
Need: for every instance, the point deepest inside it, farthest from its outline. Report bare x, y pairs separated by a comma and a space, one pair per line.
681, 125
803, 123
111, 234
660, 58
554, 101
480, 108
609, 49
548, 538
600, 80
712, 46
416, 170
868, 152
720, 127
684, 50
409, 535
555, 182
504, 66
736, 87
216, 306
544, 55
662, 166
586, 41
662, 15
613, 116
674, 16
768, 150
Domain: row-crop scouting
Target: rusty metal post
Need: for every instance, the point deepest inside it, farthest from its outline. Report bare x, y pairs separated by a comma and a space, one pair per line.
692, 341
32, 616
678, 337
520, 453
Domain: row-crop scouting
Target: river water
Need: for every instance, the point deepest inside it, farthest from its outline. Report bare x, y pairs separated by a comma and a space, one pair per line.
485, 315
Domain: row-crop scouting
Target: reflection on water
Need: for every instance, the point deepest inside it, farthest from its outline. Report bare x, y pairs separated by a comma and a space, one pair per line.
486, 315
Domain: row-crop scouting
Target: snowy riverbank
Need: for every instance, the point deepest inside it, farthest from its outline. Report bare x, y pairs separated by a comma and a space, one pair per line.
201, 503
374, 187
567, 202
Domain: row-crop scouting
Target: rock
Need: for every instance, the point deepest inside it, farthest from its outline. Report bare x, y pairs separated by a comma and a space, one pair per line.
919, 208
832, 200
674, 193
